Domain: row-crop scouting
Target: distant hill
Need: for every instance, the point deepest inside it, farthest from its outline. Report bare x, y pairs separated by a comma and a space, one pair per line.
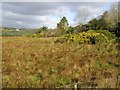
15, 32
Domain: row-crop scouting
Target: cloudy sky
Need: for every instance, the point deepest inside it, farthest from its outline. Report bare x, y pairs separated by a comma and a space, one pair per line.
37, 14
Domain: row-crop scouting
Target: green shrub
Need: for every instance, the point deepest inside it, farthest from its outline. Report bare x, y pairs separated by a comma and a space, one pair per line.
31, 35
108, 34
118, 39
89, 37
36, 35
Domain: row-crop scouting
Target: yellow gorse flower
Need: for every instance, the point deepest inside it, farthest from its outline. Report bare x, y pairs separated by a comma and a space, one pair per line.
86, 37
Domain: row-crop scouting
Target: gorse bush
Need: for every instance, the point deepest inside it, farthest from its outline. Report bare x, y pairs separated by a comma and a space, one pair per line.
89, 37
108, 34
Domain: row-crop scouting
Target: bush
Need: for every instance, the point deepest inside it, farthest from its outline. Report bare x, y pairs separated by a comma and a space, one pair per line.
108, 34
31, 35
89, 37
36, 35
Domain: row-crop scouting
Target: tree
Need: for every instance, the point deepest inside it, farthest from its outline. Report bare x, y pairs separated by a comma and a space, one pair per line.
112, 17
63, 24
94, 24
42, 29
102, 22
99, 23
118, 25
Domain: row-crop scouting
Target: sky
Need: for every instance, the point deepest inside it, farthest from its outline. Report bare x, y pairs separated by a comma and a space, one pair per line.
37, 14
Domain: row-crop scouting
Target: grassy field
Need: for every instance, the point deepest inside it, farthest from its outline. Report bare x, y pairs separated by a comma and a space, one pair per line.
39, 62
12, 32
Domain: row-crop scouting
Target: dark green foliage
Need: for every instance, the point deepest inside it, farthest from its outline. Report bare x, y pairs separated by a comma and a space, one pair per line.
42, 29
118, 39
94, 24
118, 30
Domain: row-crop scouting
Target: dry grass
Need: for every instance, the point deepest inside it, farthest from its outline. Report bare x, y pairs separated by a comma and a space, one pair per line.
35, 62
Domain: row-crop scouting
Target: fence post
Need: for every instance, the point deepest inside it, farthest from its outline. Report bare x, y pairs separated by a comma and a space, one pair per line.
75, 86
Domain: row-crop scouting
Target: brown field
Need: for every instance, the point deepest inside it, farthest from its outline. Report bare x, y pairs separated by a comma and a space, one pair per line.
39, 62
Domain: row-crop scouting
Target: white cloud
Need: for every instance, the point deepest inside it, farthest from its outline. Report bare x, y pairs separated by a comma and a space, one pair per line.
48, 21
38, 14
62, 11
87, 13
41, 18
19, 22
82, 10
